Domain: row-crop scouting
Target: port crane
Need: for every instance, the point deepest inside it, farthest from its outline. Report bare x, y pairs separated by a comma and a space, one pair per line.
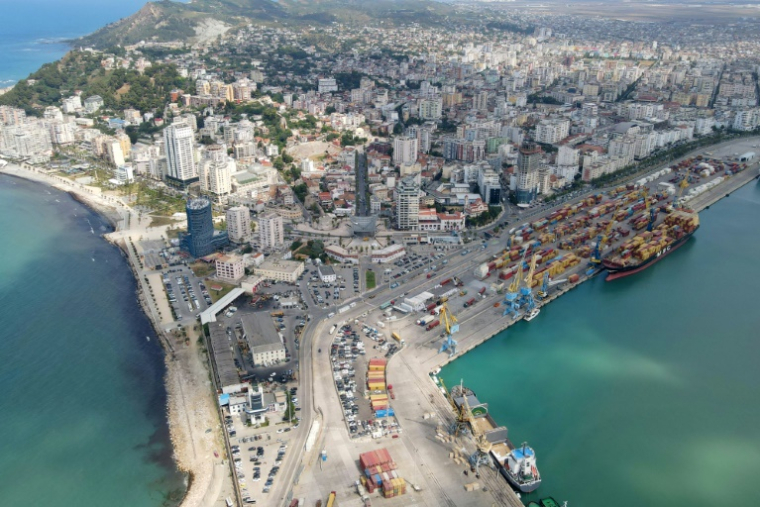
510, 300
596, 256
483, 447
462, 421
681, 187
526, 293
465, 423
546, 284
650, 209
451, 326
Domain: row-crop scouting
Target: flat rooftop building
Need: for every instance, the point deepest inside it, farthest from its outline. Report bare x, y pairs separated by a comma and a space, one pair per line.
285, 271
327, 274
263, 339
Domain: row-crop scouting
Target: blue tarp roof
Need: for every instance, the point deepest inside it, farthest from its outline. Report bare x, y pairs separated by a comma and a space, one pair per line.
224, 399
518, 453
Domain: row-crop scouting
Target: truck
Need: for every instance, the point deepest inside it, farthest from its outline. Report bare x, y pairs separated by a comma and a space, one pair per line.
333, 328
397, 337
331, 499
433, 324
277, 314
429, 307
436, 310
424, 321
482, 291
445, 282
469, 302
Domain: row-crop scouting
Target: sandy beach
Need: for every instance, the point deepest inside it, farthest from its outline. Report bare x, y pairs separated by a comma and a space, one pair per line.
191, 409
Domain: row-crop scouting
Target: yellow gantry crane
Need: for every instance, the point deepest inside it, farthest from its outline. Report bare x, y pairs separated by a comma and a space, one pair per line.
649, 210
529, 278
462, 422
596, 256
515, 285
451, 326
681, 187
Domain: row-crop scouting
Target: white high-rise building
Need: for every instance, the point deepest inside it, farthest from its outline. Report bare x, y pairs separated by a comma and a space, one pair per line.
405, 150
180, 147
239, 224
431, 109
480, 101
271, 231
408, 204
567, 156
327, 85
216, 171
552, 131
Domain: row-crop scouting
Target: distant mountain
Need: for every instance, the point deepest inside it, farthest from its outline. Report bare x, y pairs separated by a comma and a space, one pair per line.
165, 20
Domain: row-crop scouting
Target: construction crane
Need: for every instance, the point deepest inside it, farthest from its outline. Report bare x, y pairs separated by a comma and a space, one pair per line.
596, 256
451, 326
513, 292
526, 293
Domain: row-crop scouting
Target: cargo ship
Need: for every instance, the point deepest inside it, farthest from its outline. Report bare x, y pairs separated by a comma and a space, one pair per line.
643, 250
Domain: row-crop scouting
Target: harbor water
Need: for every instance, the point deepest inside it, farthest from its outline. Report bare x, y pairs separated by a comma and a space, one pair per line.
83, 402
644, 390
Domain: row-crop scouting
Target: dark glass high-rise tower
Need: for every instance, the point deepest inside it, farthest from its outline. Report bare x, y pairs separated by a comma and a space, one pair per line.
200, 239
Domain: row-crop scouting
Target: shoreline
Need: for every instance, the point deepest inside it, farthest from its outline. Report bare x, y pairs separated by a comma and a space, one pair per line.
181, 432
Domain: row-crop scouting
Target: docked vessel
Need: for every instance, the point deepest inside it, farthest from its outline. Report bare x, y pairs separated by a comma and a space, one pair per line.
520, 469
532, 315
643, 250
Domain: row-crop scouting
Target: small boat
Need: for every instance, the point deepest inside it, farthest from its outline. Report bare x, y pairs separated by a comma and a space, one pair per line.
520, 469
549, 502
533, 314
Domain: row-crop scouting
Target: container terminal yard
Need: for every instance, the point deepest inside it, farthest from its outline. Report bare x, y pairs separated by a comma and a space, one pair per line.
440, 446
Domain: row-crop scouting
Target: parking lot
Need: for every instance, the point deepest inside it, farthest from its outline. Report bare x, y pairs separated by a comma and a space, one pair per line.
258, 452
350, 353
326, 294
413, 265
186, 293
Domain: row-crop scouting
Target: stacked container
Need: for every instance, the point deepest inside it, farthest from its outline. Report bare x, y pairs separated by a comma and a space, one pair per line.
380, 473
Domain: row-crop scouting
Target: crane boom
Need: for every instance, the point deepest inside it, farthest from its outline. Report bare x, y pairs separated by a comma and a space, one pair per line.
681, 187
515, 285
533, 262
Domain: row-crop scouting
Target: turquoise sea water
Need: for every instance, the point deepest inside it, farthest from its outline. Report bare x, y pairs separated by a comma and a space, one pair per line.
644, 391
82, 399
32, 30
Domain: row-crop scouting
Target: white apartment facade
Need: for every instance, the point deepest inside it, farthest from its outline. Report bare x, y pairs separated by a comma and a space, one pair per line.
239, 224
271, 231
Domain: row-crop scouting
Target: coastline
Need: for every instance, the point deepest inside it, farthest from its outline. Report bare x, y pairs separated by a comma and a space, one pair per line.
189, 400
